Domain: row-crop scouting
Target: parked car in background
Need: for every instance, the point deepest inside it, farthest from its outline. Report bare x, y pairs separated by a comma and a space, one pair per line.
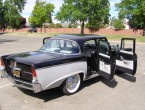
32, 30
66, 61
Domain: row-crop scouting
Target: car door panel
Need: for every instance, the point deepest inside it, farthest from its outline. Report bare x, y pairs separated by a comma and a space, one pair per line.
126, 59
106, 60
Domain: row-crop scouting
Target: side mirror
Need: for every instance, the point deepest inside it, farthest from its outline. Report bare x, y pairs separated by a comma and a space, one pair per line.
45, 40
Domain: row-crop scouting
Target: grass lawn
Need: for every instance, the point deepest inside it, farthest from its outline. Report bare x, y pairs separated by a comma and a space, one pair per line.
30, 34
118, 38
109, 37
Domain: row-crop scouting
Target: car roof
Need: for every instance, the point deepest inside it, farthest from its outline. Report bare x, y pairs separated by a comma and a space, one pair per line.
77, 38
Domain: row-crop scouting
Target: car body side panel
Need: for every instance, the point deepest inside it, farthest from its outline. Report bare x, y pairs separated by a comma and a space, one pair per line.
52, 77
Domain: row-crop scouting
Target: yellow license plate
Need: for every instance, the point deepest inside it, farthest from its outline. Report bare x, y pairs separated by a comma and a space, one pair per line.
16, 73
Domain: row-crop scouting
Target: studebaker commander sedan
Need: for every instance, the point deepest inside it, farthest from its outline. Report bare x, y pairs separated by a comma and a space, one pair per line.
66, 61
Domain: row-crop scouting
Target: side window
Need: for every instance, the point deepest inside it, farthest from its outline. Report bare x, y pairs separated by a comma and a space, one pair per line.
62, 43
90, 44
69, 44
88, 47
70, 47
54, 44
127, 45
103, 47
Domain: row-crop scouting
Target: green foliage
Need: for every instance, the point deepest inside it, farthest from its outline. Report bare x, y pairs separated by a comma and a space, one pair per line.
58, 25
72, 26
136, 23
134, 10
112, 21
97, 25
12, 10
1, 14
118, 24
96, 12
41, 14
9, 27
51, 25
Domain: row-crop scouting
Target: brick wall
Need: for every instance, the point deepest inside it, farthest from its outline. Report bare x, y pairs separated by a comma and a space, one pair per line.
129, 32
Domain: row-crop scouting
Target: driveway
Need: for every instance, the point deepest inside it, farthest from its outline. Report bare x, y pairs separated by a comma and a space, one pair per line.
126, 93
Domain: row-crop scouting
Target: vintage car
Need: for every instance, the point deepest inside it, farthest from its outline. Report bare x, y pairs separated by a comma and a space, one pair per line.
66, 61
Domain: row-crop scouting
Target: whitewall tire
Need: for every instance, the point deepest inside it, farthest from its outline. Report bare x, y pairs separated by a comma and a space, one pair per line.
71, 84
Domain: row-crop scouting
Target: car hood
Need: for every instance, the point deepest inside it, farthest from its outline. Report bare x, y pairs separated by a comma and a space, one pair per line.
33, 57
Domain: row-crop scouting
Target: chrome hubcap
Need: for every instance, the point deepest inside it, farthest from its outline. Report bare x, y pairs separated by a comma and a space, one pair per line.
73, 83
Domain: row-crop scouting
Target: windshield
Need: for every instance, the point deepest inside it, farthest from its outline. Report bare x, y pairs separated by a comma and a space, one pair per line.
60, 46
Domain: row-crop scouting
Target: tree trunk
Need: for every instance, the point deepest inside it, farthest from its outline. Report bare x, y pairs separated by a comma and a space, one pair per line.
41, 29
44, 29
144, 30
82, 27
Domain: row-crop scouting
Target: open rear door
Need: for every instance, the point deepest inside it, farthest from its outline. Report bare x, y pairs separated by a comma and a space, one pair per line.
106, 60
127, 59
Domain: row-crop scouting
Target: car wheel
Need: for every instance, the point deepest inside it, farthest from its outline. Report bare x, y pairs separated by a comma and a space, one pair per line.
71, 84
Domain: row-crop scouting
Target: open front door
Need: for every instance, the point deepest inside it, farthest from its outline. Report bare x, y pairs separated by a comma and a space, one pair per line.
106, 60
127, 59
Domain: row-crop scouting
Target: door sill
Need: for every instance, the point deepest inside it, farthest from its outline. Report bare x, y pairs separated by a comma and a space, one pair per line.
94, 75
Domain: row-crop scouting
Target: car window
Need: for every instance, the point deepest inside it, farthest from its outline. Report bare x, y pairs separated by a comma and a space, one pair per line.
88, 47
90, 44
103, 47
127, 45
60, 46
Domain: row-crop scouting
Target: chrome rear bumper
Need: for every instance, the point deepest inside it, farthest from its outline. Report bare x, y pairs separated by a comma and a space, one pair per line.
34, 86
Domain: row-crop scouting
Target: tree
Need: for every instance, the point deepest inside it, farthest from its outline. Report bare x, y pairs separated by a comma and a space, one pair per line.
95, 12
42, 13
58, 25
112, 21
22, 22
12, 10
136, 23
133, 9
118, 24
1, 14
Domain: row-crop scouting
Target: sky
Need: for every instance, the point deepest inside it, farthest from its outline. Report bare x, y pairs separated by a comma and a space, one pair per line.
57, 3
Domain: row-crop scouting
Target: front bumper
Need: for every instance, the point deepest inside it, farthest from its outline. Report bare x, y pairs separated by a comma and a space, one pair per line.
34, 86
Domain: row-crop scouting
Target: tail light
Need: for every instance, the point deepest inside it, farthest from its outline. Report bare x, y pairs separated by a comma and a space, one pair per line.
34, 75
1, 62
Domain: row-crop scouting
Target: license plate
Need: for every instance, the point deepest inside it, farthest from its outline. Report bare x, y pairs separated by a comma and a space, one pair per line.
16, 73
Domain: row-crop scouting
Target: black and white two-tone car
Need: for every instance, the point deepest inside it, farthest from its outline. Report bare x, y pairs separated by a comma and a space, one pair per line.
66, 61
